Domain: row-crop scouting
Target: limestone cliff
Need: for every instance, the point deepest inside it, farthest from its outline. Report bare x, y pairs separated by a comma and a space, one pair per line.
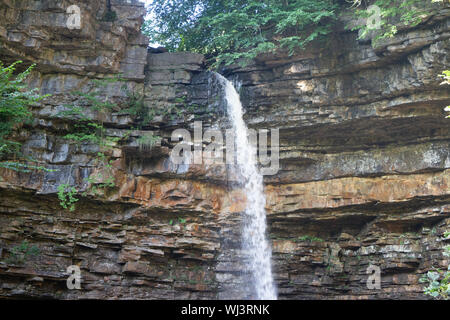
364, 178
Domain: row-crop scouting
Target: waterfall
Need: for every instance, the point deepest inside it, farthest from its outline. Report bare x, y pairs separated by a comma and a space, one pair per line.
254, 241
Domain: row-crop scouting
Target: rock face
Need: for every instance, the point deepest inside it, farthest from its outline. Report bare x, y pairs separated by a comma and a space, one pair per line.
364, 174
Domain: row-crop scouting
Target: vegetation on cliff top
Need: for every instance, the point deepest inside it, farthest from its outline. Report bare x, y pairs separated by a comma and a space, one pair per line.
236, 30
384, 18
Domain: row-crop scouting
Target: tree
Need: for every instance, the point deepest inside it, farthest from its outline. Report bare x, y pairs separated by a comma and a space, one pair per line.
240, 30
233, 30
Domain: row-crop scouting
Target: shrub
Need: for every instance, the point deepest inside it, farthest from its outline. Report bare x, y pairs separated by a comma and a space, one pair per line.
15, 101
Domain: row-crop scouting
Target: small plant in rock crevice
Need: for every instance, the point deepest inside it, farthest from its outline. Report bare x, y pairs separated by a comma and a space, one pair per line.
309, 238
144, 114
21, 253
90, 130
137, 108
104, 179
181, 221
437, 280
67, 196
148, 141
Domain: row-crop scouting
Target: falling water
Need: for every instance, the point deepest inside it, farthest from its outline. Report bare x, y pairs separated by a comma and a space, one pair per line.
254, 240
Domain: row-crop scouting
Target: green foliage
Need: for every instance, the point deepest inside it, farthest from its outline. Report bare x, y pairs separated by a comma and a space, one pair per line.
178, 221
66, 196
87, 129
104, 179
309, 239
14, 111
96, 99
181, 220
148, 141
137, 109
21, 253
144, 115
438, 281
236, 29
240, 30
394, 14
169, 113
23, 167
15, 99
93, 131
446, 76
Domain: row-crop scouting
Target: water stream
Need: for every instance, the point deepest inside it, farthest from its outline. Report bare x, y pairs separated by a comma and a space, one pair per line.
254, 242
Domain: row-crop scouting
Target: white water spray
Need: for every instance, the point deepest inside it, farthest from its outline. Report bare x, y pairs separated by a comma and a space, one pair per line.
254, 239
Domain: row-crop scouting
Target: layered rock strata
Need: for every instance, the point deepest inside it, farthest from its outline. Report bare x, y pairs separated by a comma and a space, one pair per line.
364, 164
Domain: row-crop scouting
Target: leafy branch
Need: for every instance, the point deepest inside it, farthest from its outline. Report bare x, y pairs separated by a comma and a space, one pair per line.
237, 30
393, 15
15, 101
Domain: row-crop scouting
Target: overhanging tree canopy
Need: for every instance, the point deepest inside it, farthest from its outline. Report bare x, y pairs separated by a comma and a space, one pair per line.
231, 30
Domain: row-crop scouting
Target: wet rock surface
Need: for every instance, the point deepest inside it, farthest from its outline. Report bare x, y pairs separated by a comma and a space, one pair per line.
364, 165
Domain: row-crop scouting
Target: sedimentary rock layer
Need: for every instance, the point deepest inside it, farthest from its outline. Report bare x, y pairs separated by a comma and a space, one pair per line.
364, 164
